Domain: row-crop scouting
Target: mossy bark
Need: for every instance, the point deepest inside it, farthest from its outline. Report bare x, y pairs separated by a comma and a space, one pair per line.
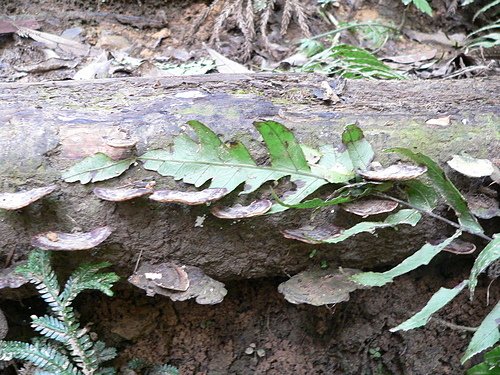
45, 128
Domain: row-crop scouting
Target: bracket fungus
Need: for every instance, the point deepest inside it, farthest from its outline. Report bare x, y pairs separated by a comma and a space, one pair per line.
367, 207
71, 241
188, 197
320, 287
15, 201
256, 208
311, 234
166, 279
121, 194
396, 172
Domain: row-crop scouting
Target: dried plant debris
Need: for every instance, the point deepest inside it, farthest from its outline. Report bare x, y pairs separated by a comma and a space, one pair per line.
256, 208
396, 172
203, 288
460, 247
471, 167
189, 197
320, 287
9, 279
71, 241
15, 201
483, 206
311, 234
4, 327
367, 207
121, 194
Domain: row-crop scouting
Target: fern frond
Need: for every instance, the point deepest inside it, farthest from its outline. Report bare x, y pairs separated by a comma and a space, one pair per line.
88, 277
50, 327
163, 370
39, 271
45, 357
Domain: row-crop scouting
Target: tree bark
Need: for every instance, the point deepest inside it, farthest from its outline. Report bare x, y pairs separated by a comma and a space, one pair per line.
47, 127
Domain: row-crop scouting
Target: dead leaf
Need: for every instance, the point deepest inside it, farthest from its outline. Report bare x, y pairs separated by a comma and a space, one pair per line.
396, 172
311, 234
439, 37
367, 207
188, 197
440, 121
15, 201
413, 58
121, 194
98, 68
54, 41
70, 241
9, 279
167, 275
471, 167
203, 288
256, 208
8, 26
224, 65
320, 287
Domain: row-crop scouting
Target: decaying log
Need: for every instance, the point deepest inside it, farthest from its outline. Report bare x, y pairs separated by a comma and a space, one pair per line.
47, 127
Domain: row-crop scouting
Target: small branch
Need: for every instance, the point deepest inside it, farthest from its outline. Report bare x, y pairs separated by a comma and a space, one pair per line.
435, 216
454, 326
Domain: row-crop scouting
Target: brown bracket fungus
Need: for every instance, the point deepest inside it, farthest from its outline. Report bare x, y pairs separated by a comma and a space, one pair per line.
320, 287
188, 197
311, 234
256, 208
9, 279
71, 241
396, 172
15, 201
460, 247
367, 207
121, 194
151, 278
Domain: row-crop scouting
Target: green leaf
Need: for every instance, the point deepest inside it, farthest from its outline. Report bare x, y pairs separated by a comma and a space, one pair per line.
442, 297
410, 217
335, 166
485, 8
360, 151
489, 255
421, 195
490, 366
419, 258
50, 327
228, 166
486, 335
423, 6
98, 167
445, 188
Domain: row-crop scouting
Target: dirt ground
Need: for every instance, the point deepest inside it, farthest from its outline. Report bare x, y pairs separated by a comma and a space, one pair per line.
349, 338
254, 330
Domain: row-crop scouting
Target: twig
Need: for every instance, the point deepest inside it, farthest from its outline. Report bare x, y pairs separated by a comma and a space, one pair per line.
435, 216
454, 326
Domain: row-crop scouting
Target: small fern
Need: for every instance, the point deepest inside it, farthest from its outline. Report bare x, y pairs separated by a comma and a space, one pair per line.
83, 356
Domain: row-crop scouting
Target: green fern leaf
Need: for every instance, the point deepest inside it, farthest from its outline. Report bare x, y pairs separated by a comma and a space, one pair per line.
50, 327
228, 166
88, 277
45, 357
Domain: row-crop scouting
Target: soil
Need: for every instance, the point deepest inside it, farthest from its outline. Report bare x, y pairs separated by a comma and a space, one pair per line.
349, 338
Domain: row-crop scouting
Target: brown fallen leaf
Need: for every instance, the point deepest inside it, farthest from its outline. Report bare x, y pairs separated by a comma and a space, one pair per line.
121, 194
312, 235
70, 241
203, 288
256, 208
15, 201
320, 287
8, 26
188, 197
54, 41
396, 172
367, 207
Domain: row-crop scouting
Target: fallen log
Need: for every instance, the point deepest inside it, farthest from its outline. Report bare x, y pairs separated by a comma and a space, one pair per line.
47, 127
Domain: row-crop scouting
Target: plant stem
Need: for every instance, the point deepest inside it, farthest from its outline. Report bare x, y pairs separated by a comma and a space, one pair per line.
454, 326
435, 216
